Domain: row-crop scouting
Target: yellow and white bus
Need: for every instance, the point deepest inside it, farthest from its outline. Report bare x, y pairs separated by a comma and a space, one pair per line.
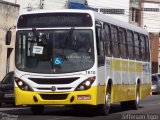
80, 57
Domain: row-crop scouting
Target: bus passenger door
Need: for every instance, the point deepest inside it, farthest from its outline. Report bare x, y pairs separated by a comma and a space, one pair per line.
100, 55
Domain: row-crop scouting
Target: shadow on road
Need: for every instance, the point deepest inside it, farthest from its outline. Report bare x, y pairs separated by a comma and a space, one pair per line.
59, 111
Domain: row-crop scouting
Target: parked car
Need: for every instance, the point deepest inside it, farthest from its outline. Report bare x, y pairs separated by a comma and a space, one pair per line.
7, 89
156, 83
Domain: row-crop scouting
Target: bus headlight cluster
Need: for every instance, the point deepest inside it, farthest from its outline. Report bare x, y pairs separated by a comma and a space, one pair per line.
22, 85
85, 85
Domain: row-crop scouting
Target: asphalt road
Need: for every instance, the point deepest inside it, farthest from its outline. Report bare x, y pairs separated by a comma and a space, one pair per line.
149, 110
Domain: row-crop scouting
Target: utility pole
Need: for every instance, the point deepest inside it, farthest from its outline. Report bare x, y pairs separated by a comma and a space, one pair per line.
41, 5
136, 10
29, 7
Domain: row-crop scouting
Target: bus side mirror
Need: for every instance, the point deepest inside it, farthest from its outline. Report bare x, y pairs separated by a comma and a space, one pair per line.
8, 37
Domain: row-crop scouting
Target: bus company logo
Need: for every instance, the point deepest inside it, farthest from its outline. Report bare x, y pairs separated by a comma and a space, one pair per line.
53, 88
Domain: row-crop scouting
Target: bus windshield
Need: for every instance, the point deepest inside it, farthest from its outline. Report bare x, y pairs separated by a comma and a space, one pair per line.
54, 51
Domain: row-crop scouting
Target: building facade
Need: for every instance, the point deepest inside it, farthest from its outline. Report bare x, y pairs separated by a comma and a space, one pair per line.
8, 16
155, 45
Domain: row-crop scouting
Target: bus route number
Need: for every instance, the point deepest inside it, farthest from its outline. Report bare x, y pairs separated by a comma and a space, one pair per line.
90, 72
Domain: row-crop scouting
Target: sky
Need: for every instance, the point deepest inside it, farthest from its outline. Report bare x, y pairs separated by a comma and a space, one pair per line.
59, 4
151, 19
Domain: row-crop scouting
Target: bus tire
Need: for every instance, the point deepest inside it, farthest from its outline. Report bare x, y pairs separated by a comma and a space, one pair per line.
37, 109
135, 103
75, 107
105, 108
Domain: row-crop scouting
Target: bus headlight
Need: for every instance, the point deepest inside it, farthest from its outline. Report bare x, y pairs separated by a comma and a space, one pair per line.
22, 85
85, 85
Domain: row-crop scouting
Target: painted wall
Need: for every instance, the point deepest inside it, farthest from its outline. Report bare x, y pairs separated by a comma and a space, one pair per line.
8, 16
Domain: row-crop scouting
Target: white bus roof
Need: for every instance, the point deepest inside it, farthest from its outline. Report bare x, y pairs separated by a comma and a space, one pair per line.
97, 16
111, 20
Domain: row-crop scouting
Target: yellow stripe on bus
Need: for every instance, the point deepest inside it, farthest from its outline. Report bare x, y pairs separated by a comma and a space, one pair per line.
119, 93
127, 92
121, 65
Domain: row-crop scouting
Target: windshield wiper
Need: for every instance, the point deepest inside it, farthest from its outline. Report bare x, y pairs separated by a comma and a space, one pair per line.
66, 41
69, 35
38, 36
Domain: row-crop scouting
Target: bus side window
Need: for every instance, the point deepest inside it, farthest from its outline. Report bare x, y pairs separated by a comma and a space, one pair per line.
100, 46
115, 42
143, 46
130, 44
108, 42
122, 39
137, 46
99, 41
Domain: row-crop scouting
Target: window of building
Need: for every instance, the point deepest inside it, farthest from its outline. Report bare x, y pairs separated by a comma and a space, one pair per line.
112, 11
135, 15
151, 9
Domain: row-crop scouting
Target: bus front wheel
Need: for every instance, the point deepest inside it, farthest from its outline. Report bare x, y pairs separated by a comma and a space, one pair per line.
105, 108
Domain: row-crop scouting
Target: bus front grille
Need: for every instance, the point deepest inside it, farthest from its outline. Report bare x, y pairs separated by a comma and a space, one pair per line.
59, 88
53, 80
53, 96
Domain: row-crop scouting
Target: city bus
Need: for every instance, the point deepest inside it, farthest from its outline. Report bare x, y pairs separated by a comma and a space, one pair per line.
80, 58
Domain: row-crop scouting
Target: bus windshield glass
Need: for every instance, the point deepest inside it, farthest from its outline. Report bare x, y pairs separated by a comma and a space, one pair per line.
54, 51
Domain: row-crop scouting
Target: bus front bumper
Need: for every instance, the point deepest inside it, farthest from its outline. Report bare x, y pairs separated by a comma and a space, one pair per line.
88, 97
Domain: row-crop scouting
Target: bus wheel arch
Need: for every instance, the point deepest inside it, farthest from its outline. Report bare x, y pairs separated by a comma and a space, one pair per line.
109, 83
133, 104
138, 81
